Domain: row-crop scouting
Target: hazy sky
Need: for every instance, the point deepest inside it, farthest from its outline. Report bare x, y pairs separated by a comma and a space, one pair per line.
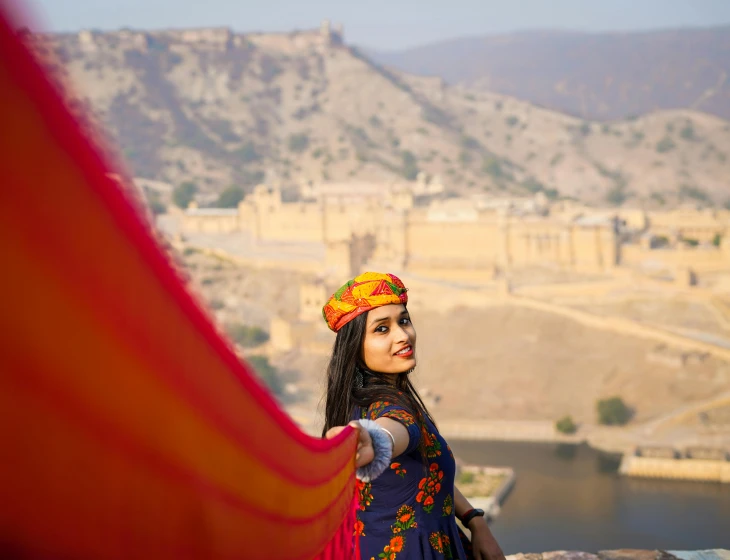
384, 24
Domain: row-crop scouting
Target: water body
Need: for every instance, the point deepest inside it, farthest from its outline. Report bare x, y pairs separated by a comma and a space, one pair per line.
571, 497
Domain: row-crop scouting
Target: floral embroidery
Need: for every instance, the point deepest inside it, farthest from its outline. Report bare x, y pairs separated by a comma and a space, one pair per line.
429, 486
405, 418
449, 450
441, 543
430, 443
405, 518
359, 528
399, 470
365, 493
448, 508
376, 409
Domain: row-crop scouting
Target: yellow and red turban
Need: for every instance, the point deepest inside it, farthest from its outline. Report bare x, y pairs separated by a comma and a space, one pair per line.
360, 295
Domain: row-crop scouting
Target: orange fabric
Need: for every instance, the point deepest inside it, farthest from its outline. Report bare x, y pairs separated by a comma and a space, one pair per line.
129, 428
361, 294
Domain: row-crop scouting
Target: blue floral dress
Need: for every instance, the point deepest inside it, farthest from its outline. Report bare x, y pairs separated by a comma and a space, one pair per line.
407, 513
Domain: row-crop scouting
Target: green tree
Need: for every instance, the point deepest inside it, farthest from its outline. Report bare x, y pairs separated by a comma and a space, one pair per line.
613, 411
267, 373
230, 197
566, 425
184, 194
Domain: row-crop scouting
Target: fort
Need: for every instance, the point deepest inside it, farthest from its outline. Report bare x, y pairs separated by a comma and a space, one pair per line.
706, 470
475, 239
221, 39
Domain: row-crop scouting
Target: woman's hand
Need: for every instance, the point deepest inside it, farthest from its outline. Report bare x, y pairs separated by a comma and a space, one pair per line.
483, 543
365, 452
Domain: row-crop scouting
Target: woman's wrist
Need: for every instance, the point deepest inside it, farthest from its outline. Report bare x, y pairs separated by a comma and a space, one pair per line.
467, 516
463, 514
476, 523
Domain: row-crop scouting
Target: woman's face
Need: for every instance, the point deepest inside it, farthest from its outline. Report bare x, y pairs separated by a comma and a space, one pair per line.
390, 340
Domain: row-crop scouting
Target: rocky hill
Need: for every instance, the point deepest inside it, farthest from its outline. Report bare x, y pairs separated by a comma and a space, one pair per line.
219, 108
599, 76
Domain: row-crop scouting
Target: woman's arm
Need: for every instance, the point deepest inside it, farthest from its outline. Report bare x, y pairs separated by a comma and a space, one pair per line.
365, 452
401, 438
483, 543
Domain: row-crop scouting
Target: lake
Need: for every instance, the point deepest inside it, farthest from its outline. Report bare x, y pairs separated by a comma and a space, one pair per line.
571, 497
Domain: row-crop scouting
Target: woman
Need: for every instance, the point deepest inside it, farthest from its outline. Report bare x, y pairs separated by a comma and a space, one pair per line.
408, 511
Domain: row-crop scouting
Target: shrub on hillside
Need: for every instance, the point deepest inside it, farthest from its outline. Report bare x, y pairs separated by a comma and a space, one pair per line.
298, 142
613, 411
616, 195
247, 153
375, 122
664, 145
465, 158
410, 165
688, 132
695, 193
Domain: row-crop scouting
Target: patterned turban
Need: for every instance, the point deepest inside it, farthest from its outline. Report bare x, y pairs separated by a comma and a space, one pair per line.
360, 295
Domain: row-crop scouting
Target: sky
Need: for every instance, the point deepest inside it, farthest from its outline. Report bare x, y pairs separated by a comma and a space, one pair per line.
382, 24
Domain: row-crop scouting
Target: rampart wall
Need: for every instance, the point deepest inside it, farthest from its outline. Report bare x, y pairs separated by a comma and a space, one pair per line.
677, 469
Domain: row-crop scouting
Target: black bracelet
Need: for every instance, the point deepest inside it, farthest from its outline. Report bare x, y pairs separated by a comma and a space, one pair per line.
471, 514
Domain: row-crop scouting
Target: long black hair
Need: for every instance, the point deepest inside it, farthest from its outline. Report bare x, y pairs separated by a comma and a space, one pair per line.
343, 395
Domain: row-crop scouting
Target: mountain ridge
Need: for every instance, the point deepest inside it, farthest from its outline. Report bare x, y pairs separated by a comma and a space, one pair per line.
218, 108
583, 74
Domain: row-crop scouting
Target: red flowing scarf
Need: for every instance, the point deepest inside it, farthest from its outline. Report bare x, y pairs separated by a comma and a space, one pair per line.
128, 426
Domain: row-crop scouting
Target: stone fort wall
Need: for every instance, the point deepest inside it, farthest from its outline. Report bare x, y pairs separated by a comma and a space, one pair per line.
467, 242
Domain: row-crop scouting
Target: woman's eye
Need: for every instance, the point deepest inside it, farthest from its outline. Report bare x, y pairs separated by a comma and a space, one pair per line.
381, 329
405, 321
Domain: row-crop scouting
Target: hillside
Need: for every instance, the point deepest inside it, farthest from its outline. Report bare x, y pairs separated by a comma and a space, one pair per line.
598, 76
566, 366
219, 108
